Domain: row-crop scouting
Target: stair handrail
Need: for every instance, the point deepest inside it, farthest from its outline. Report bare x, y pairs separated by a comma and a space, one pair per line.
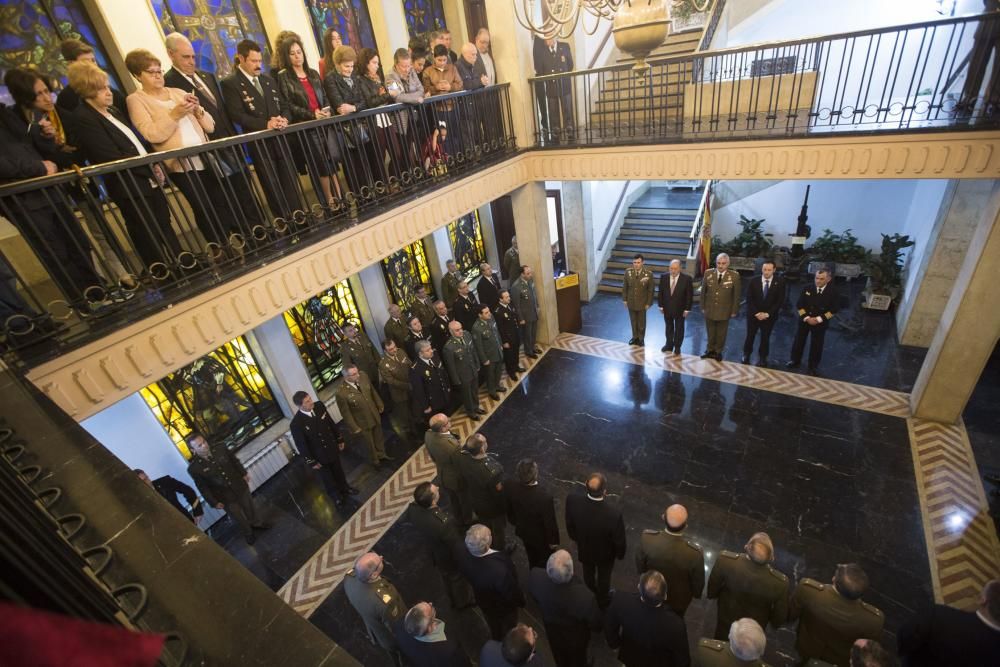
699, 220
711, 25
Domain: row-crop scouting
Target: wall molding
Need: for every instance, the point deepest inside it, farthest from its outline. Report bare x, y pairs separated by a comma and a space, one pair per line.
89, 379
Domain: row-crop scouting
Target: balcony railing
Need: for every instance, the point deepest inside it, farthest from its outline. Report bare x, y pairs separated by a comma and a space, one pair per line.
926, 76
119, 241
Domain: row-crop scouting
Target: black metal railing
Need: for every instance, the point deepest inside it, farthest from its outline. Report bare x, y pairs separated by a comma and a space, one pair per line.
114, 242
926, 76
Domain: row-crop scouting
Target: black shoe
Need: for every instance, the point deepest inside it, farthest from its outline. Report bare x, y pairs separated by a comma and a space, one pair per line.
813, 371
792, 364
512, 376
762, 363
642, 342
251, 538
352, 491
677, 350
474, 418
481, 411
502, 390
538, 350
531, 356
387, 458
631, 341
494, 397
665, 348
745, 359
261, 526
717, 356
521, 370
708, 355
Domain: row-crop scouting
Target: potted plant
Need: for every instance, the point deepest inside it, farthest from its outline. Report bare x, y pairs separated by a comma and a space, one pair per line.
840, 250
743, 249
885, 272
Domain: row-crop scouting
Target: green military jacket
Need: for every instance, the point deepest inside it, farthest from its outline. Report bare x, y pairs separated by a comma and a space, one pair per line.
359, 407
397, 331
679, 560
361, 353
487, 340
461, 359
522, 294
379, 605
423, 310
511, 265
449, 288
829, 623
395, 372
715, 653
720, 296
746, 589
637, 291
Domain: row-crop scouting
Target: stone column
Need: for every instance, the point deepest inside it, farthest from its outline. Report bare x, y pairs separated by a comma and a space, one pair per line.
278, 16
579, 236
438, 248
531, 223
489, 237
511, 48
966, 335
375, 311
280, 362
389, 26
966, 205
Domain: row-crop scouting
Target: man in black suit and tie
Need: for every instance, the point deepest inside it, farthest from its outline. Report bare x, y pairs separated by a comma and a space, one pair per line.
675, 299
317, 438
466, 307
555, 98
531, 510
816, 305
941, 635
438, 328
569, 609
489, 287
252, 102
598, 529
644, 629
765, 295
493, 579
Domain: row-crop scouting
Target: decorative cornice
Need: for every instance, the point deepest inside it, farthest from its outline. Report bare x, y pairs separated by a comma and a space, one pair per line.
87, 380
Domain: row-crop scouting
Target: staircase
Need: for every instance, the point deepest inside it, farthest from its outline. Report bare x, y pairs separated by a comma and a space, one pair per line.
658, 225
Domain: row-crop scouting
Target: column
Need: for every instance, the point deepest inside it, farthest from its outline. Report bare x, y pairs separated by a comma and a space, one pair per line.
438, 247
128, 26
535, 248
579, 237
389, 26
966, 335
511, 47
489, 237
376, 301
931, 278
278, 16
280, 362
454, 18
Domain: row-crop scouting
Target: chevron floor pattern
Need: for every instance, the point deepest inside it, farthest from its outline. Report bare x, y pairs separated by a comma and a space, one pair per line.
306, 590
960, 534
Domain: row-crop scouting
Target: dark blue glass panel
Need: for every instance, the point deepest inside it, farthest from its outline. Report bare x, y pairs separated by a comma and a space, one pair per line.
422, 16
350, 18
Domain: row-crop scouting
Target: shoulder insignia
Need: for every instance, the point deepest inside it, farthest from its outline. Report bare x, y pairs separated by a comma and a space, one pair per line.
693, 545
650, 531
386, 598
713, 644
813, 583
872, 609
729, 554
777, 573
350, 573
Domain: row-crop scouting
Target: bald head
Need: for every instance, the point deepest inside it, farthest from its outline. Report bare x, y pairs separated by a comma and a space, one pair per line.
676, 517
439, 422
760, 548
597, 485
368, 566
989, 601
469, 53
455, 328
559, 567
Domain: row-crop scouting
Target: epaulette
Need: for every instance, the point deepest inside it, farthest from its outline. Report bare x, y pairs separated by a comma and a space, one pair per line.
873, 609
650, 531
729, 554
713, 644
693, 545
778, 573
815, 584
350, 573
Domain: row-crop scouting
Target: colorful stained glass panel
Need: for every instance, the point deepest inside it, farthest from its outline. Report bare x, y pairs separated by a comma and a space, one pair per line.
350, 18
423, 16
466, 235
405, 271
315, 325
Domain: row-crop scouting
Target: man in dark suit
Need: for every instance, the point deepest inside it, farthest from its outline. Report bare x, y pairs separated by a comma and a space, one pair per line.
493, 579
252, 102
489, 287
440, 532
598, 529
429, 384
532, 511
516, 649
765, 296
414, 334
941, 635
510, 334
647, 632
816, 305
317, 438
675, 299
555, 98
423, 642
169, 488
569, 609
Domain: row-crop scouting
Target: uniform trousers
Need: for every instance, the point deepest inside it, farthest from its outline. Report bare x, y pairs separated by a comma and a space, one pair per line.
242, 509
637, 318
717, 331
510, 359
568, 644
674, 327
374, 439
493, 373
597, 576
528, 330
333, 479
764, 327
468, 391
816, 334
403, 419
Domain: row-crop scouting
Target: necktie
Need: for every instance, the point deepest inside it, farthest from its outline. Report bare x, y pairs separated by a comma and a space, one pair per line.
820, 290
256, 84
767, 284
673, 283
203, 89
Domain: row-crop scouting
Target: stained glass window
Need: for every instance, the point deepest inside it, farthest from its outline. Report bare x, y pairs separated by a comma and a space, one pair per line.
214, 27
30, 33
315, 325
466, 236
405, 271
422, 16
222, 396
350, 18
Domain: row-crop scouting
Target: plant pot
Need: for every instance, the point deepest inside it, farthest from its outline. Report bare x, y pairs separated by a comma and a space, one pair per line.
875, 301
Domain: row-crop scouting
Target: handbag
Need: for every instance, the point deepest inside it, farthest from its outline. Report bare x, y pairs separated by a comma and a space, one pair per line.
356, 135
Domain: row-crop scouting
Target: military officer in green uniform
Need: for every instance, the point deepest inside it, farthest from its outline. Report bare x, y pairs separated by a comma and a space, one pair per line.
376, 600
637, 293
679, 560
361, 407
833, 616
462, 362
395, 328
422, 306
747, 586
394, 369
223, 483
357, 350
512, 262
745, 647
523, 294
489, 349
449, 283
720, 301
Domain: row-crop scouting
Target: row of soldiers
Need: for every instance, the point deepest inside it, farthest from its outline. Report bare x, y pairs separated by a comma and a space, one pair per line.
645, 625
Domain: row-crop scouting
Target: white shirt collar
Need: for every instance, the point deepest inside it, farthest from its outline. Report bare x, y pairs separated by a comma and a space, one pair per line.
982, 617
488, 552
249, 77
306, 412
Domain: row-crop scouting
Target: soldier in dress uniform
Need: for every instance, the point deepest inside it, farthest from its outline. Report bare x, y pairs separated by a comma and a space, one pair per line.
361, 407
395, 329
482, 484
449, 283
422, 306
833, 616
430, 389
745, 647
465, 308
679, 560
817, 305
512, 262
394, 370
462, 362
747, 586
720, 301
376, 600
414, 332
444, 448
523, 294
318, 440
489, 347
442, 534
224, 483
637, 294
510, 334
357, 350
438, 329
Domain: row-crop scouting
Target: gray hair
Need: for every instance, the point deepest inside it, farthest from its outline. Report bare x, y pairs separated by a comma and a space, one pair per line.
174, 40
421, 345
721, 255
347, 369
746, 639
559, 567
675, 261
478, 539
417, 620
484, 265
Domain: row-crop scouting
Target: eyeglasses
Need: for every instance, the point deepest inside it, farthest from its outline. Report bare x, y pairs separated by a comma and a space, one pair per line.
154, 72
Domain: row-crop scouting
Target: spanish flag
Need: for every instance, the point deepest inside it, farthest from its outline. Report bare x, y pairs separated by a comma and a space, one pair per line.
705, 257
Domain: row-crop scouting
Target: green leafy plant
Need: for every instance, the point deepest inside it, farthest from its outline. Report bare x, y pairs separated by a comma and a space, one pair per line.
886, 269
752, 241
683, 9
841, 248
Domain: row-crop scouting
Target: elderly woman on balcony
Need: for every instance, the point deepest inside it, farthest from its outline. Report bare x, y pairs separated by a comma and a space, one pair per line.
362, 166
